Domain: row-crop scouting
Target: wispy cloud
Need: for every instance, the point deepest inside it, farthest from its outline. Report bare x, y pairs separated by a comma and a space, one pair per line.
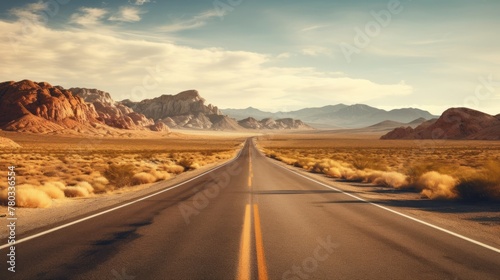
313, 27
31, 12
228, 78
139, 2
194, 22
127, 14
316, 51
88, 16
284, 55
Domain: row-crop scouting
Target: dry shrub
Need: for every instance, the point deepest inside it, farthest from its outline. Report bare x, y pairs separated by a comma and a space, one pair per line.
391, 179
54, 190
32, 198
173, 168
86, 185
363, 162
307, 163
342, 170
196, 165
28, 196
161, 175
100, 184
415, 171
120, 175
186, 163
76, 191
100, 180
318, 167
482, 186
435, 185
143, 178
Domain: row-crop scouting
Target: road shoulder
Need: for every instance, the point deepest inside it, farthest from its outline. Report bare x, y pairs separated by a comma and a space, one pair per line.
479, 221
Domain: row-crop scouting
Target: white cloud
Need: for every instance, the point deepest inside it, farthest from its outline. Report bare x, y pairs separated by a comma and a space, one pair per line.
312, 27
139, 69
31, 12
316, 51
127, 14
284, 55
139, 2
197, 21
88, 16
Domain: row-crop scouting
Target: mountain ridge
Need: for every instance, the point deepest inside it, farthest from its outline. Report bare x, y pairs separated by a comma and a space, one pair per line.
454, 123
39, 107
338, 116
271, 124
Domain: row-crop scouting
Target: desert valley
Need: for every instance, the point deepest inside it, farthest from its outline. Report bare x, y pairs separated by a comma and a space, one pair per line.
247, 140
78, 151
79, 143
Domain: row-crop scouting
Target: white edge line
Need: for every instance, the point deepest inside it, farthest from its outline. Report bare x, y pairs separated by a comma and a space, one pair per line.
395, 212
121, 206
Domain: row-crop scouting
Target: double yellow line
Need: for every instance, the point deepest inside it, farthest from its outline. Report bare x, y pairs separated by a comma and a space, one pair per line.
250, 169
244, 264
244, 272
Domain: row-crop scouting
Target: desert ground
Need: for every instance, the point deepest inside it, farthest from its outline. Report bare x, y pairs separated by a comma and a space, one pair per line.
52, 167
437, 169
58, 175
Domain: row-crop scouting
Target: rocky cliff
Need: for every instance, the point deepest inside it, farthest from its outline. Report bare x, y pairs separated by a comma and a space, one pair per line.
185, 103
40, 107
28, 106
114, 113
183, 110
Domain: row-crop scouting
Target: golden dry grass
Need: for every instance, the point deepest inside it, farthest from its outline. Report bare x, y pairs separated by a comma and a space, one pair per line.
54, 167
437, 169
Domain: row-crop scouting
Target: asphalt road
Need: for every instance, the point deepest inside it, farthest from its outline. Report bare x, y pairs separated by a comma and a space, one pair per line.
250, 219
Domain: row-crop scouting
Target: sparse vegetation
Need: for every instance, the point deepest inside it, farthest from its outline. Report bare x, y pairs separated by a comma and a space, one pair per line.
62, 167
468, 170
482, 185
120, 175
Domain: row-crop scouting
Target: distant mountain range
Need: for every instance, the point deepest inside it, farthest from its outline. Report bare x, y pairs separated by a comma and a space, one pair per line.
188, 110
269, 123
38, 107
454, 123
28, 106
336, 116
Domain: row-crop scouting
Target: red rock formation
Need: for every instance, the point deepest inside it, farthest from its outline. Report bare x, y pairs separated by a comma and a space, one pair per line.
455, 123
28, 106
114, 113
184, 103
40, 107
159, 126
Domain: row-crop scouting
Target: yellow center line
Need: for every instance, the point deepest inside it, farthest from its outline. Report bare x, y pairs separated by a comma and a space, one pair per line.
244, 259
259, 244
250, 170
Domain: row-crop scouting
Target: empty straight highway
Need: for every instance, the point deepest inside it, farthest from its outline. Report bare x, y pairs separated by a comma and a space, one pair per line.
249, 219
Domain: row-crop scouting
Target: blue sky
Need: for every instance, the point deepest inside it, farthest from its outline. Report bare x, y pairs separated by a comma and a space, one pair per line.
273, 55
